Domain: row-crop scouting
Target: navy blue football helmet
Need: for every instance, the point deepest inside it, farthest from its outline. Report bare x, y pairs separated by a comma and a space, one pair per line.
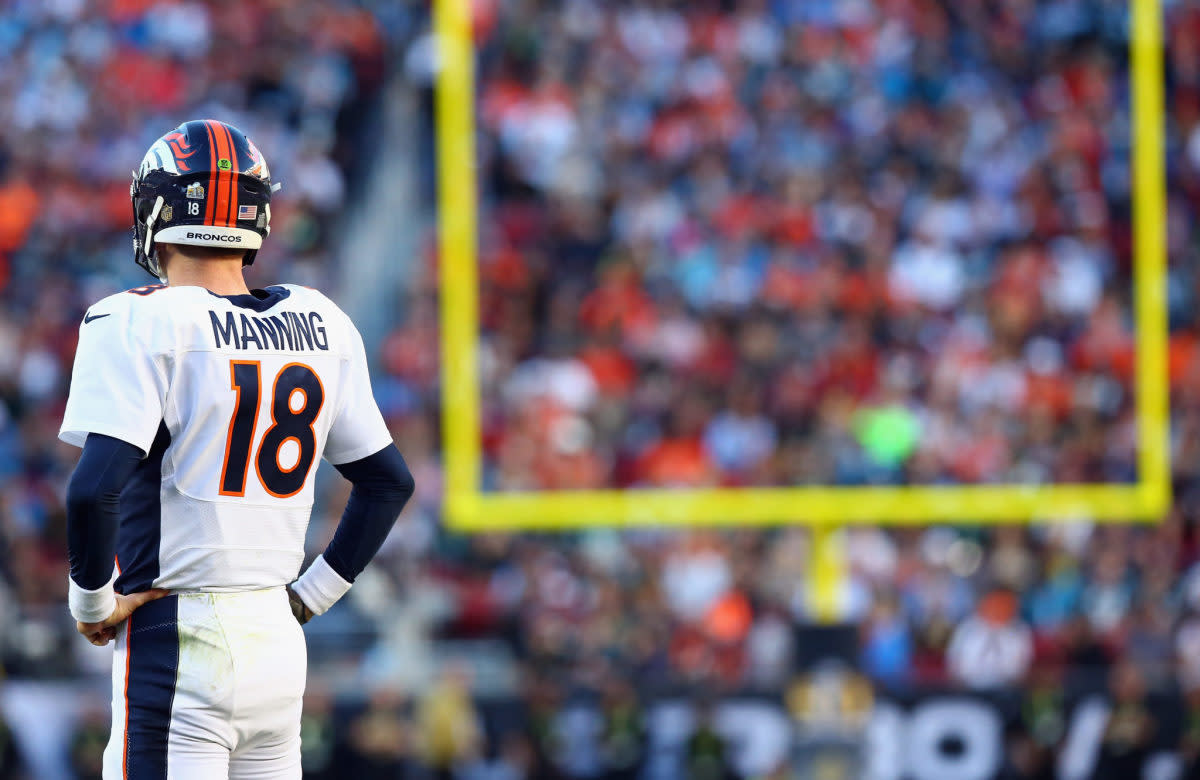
205, 184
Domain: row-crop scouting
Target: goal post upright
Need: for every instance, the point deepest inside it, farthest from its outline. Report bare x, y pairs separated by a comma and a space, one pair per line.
458, 282
1149, 202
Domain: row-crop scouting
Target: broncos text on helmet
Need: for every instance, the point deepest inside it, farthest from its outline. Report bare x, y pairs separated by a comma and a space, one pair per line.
204, 183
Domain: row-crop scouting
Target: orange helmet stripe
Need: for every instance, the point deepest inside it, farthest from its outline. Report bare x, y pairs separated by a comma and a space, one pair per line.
223, 151
232, 175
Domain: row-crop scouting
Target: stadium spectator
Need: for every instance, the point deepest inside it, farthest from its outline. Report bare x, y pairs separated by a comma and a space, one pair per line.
381, 740
318, 735
1130, 728
993, 648
87, 746
887, 645
623, 741
706, 752
448, 731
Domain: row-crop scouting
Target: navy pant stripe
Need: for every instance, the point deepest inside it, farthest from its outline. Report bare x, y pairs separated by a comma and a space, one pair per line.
153, 648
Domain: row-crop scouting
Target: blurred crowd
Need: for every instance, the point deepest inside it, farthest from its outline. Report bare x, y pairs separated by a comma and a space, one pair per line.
780, 243
769, 242
846, 242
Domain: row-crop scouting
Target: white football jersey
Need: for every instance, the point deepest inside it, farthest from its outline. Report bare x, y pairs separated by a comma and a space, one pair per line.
233, 399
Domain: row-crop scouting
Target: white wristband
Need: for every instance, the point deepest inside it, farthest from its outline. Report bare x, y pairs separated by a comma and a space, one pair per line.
319, 587
92, 606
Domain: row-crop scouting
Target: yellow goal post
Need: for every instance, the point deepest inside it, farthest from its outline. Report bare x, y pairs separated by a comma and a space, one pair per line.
468, 508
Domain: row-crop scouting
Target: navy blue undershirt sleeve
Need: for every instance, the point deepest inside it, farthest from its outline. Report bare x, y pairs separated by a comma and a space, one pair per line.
382, 486
94, 507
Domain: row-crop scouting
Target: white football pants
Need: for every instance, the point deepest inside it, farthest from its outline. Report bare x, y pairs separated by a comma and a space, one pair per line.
208, 685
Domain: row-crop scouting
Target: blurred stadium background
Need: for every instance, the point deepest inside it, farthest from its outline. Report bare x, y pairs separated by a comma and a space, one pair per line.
770, 242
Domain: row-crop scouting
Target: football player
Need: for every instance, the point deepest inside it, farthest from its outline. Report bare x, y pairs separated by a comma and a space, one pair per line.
202, 407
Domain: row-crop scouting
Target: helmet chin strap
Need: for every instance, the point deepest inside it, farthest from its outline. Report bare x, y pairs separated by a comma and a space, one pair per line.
150, 220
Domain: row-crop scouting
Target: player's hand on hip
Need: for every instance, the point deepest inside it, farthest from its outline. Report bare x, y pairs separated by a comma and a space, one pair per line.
102, 633
300, 610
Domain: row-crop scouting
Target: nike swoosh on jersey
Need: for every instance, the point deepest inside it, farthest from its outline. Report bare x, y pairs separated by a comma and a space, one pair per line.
90, 317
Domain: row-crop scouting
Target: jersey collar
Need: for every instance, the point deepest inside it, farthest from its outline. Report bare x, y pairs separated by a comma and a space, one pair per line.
257, 300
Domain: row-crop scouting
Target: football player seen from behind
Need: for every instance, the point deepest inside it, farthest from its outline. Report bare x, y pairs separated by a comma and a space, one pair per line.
202, 407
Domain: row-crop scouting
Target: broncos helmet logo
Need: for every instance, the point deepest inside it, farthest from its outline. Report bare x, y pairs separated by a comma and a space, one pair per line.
178, 144
170, 154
